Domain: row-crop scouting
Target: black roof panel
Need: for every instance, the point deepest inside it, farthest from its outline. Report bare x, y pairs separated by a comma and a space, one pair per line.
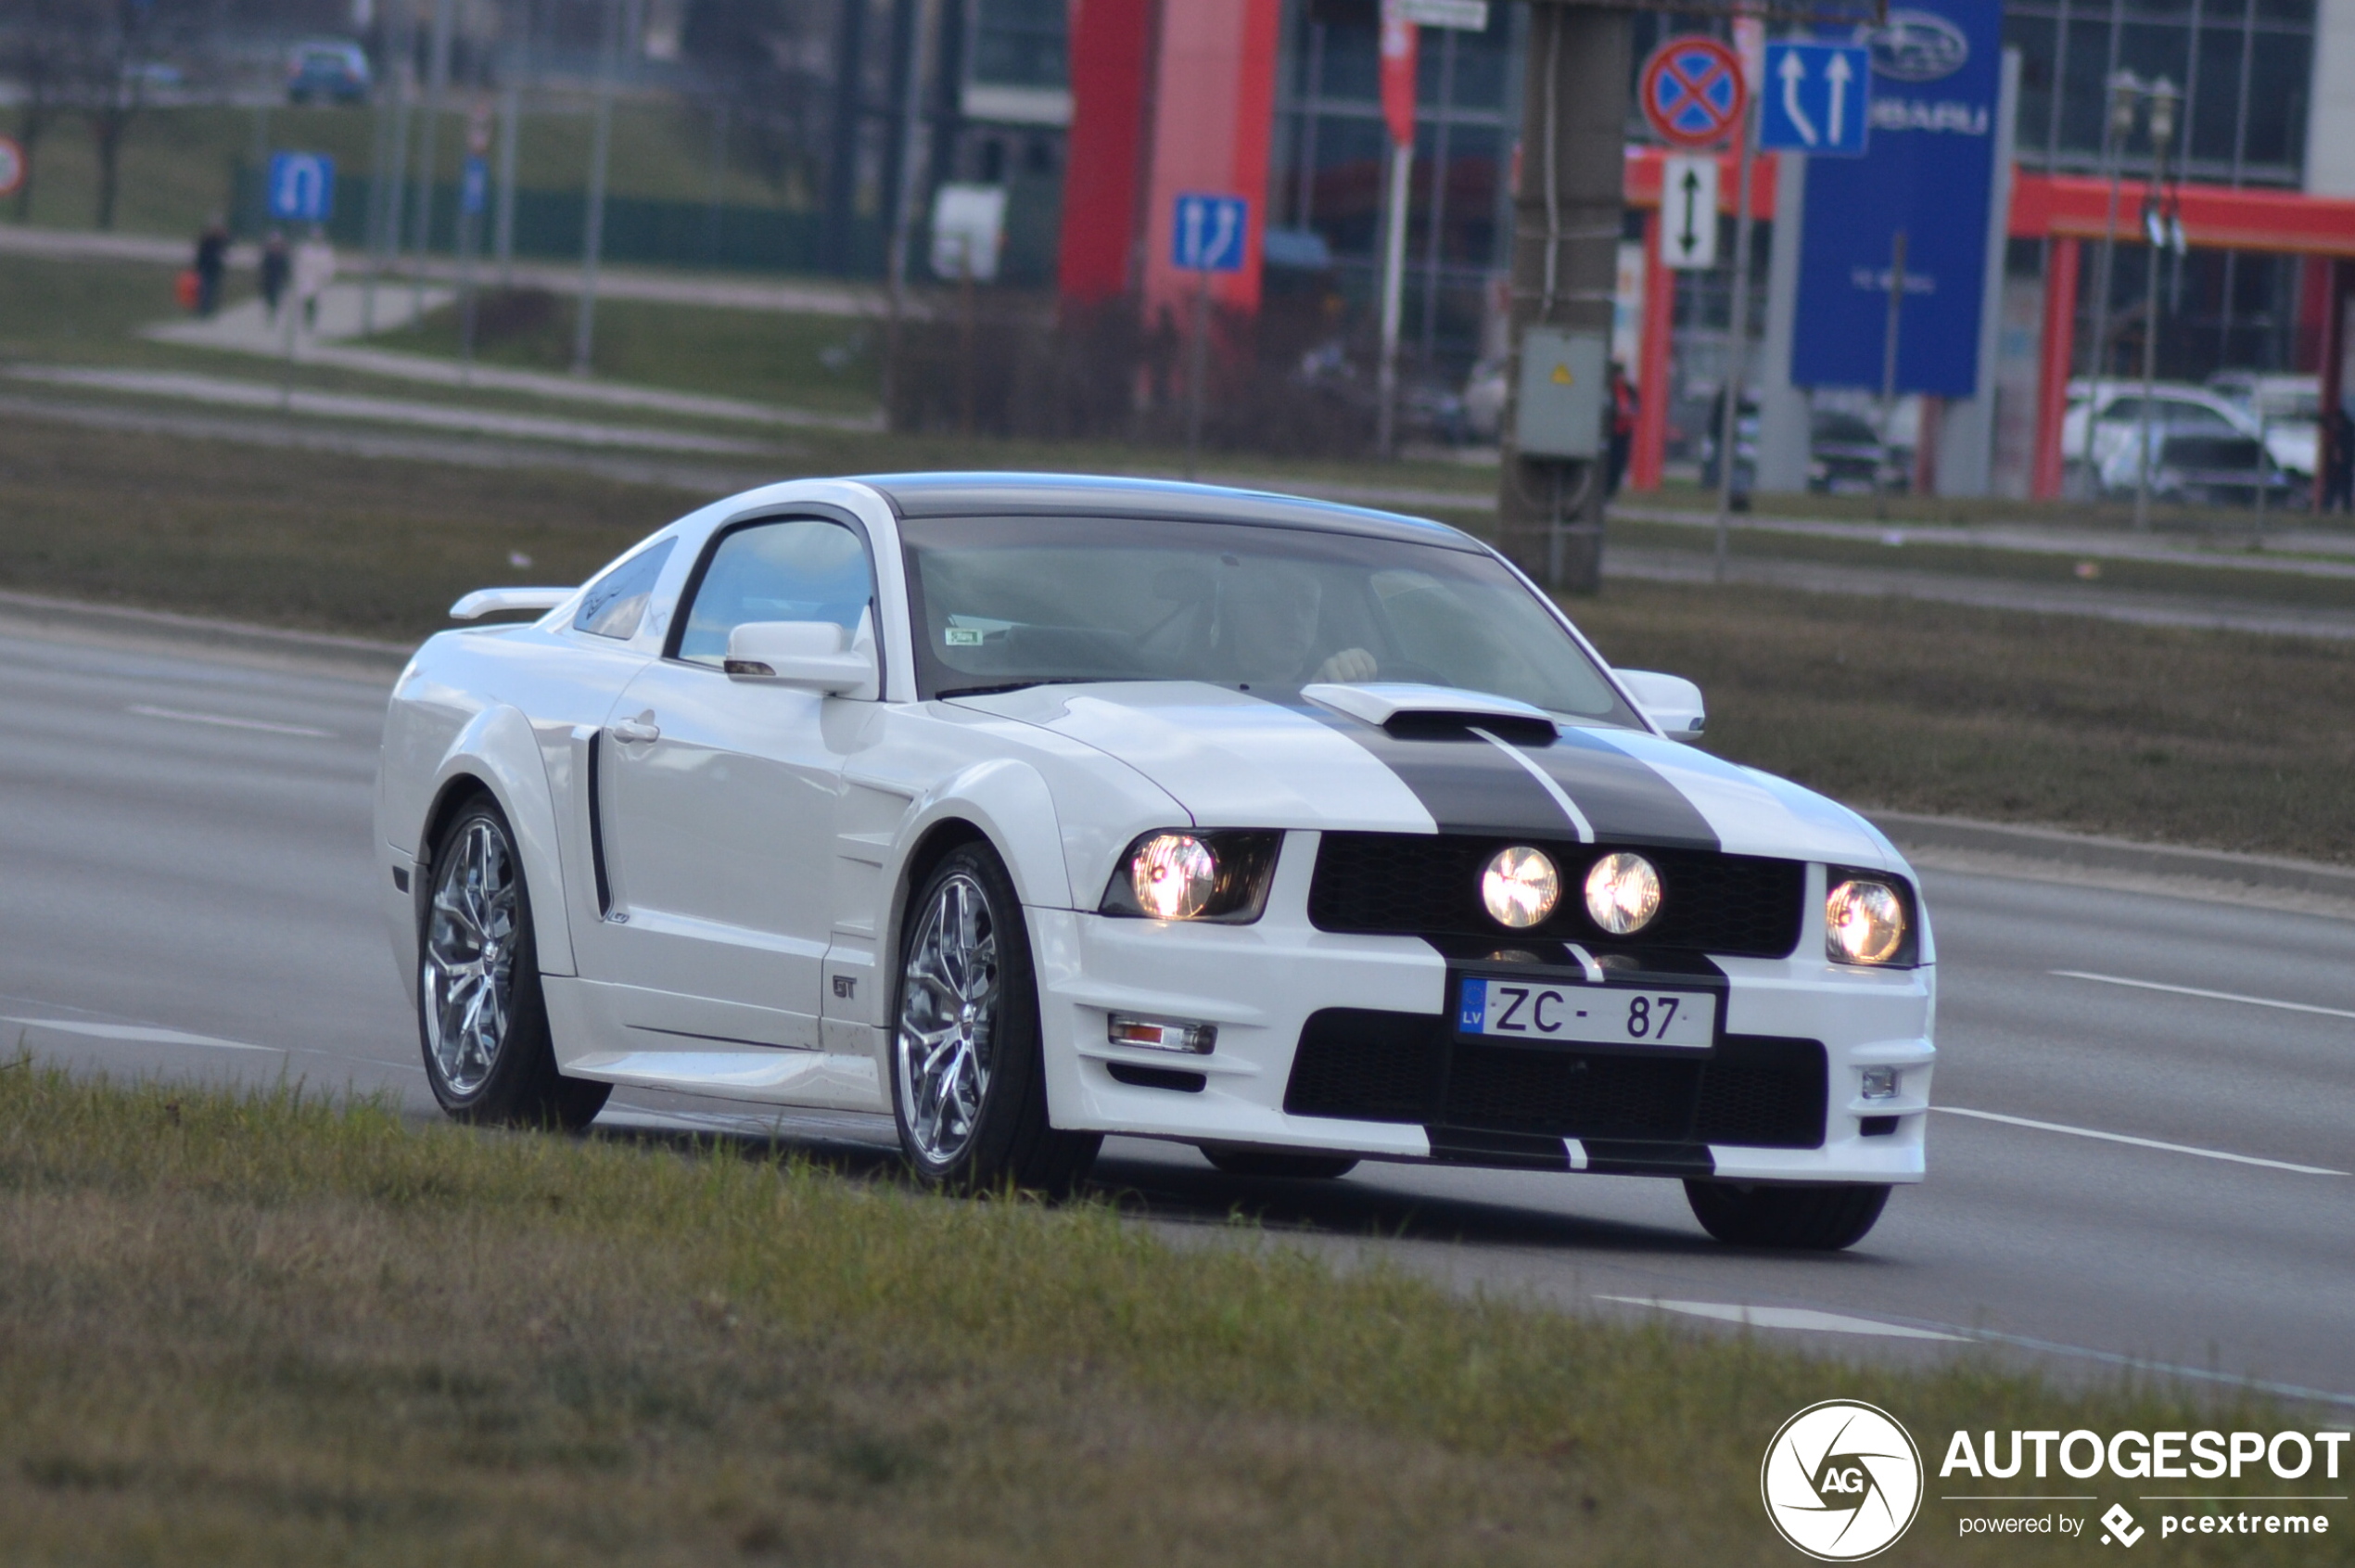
1037, 495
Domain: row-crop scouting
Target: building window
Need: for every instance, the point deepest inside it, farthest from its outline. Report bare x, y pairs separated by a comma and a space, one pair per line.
2246, 71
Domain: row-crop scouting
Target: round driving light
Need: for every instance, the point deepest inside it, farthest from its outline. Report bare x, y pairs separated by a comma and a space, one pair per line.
1622, 893
1864, 923
1520, 887
1173, 874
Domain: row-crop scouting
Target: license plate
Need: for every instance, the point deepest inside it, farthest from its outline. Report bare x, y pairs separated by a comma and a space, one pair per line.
1586, 1014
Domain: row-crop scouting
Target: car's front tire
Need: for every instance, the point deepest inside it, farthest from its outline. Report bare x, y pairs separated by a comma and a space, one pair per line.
482, 1019
1234, 1159
968, 1075
1807, 1218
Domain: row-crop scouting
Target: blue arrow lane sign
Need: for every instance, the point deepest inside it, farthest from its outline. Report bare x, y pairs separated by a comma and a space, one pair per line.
1817, 99
1209, 232
302, 186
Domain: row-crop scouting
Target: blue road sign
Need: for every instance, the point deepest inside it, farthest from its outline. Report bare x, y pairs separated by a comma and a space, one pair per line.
474, 186
302, 186
1818, 99
1930, 173
1208, 236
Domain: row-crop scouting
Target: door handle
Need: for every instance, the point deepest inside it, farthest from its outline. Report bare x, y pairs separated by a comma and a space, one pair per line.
636, 732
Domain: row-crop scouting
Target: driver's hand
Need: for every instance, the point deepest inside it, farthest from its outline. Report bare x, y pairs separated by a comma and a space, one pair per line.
1350, 664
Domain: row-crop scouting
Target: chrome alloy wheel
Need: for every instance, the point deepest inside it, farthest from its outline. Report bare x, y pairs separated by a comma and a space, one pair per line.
466, 980
949, 1020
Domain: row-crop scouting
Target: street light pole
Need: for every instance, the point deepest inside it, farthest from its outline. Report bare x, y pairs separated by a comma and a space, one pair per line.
2125, 91
2163, 97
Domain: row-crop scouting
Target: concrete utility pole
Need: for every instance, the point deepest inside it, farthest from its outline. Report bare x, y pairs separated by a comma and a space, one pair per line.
445, 17
1566, 231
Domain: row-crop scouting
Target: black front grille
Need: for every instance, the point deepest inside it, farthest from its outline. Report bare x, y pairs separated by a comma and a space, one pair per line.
1428, 884
1753, 1090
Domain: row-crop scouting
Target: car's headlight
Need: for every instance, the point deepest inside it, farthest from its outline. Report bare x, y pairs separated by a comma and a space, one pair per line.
1866, 920
1220, 876
1520, 887
1622, 893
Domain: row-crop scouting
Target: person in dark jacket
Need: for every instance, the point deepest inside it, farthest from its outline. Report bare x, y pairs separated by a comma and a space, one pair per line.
212, 261
275, 267
2338, 462
1623, 410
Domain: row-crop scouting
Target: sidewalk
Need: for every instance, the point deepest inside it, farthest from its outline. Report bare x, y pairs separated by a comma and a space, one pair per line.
343, 308
2281, 546
215, 391
817, 297
2135, 606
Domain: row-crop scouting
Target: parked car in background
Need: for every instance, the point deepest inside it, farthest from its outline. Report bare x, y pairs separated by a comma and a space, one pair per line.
2116, 409
2289, 407
1845, 455
327, 71
2203, 467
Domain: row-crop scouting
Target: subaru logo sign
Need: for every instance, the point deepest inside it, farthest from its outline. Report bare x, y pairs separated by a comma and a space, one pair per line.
1916, 47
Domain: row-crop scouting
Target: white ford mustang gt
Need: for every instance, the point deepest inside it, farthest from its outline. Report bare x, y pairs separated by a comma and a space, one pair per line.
1032, 809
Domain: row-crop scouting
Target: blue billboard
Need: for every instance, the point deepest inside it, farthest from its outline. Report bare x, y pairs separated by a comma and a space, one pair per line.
1937, 72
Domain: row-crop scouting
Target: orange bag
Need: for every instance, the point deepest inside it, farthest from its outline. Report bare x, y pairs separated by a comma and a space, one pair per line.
185, 289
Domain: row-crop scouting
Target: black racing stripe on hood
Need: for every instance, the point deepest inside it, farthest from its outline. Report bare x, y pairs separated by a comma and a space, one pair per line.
1627, 801
1467, 784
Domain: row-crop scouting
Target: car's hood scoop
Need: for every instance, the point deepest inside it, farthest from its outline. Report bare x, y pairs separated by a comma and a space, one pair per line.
1410, 711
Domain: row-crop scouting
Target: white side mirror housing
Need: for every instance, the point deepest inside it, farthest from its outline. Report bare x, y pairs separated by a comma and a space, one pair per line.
1670, 701
816, 655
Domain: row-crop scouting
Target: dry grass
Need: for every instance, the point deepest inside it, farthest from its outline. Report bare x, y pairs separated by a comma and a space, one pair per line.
2194, 737
291, 537
252, 1330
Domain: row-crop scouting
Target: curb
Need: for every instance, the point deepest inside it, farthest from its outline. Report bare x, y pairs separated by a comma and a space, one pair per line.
162, 625
2093, 852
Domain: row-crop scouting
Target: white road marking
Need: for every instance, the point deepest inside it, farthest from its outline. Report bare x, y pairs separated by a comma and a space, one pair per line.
2211, 996
1784, 1317
2138, 1142
226, 722
139, 1033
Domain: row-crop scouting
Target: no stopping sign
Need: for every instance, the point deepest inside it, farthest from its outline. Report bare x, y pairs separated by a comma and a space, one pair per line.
1691, 91
11, 166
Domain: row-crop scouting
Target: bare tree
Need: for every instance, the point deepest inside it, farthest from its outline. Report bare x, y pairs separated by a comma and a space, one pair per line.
115, 36
37, 54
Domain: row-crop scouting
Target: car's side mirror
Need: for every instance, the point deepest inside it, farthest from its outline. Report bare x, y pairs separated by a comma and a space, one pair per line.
816, 655
1670, 701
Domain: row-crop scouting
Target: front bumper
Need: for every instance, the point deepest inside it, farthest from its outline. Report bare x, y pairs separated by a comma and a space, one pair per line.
1262, 983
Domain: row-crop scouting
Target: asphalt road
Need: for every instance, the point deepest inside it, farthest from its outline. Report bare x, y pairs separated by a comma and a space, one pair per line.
2119, 1173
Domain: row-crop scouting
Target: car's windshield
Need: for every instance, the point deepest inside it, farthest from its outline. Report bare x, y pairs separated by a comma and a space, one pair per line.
1007, 602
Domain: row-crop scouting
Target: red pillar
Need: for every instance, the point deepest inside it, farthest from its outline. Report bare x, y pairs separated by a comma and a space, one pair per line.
1651, 447
1112, 49
2060, 351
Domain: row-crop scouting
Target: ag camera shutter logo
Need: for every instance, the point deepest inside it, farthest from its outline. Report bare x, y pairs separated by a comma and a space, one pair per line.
1842, 1481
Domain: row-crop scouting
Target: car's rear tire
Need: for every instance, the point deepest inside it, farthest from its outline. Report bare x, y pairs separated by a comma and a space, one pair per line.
482, 1019
967, 1074
1809, 1218
1236, 1160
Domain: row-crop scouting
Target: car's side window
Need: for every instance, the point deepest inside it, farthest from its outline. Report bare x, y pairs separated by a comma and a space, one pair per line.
616, 602
800, 569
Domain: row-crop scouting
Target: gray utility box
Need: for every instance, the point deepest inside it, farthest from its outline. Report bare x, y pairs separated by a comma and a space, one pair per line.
1565, 390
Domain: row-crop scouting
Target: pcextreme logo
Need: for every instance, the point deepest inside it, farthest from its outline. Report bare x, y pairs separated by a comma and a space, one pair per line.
1841, 1480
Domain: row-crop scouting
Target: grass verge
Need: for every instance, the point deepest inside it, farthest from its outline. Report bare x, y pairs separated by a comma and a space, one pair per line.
2194, 737
254, 1330
2211, 738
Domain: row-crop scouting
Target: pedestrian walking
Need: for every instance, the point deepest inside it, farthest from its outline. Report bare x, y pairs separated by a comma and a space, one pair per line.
2338, 461
1624, 409
274, 271
212, 261
315, 268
